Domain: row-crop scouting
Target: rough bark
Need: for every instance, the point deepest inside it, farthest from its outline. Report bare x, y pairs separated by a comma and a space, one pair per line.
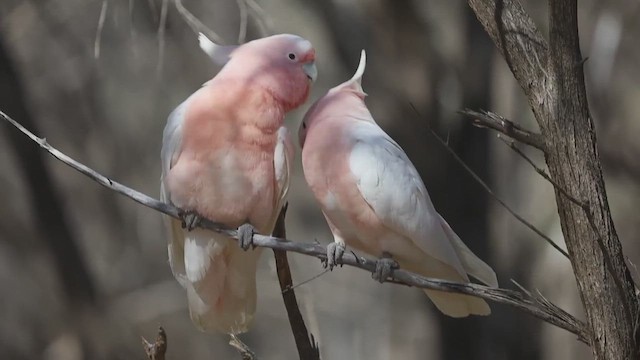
553, 81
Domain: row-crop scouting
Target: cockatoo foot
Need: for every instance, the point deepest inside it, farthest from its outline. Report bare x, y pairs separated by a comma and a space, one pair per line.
335, 250
245, 236
190, 220
384, 267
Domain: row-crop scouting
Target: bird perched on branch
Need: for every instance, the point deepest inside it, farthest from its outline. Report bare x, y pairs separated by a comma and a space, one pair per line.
225, 157
374, 200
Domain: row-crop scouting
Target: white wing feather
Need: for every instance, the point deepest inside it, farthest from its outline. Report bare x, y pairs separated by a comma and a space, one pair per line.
171, 143
282, 158
391, 185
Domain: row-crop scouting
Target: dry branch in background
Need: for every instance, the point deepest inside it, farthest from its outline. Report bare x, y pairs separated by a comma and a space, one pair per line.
245, 352
532, 305
307, 347
487, 119
493, 194
552, 78
157, 349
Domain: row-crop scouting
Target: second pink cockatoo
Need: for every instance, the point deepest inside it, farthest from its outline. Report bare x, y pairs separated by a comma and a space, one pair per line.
374, 200
225, 157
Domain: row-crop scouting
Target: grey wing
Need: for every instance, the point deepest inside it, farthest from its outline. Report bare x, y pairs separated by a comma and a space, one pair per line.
171, 146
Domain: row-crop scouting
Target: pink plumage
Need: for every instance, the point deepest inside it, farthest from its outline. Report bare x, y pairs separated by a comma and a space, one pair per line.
374, 200
226, 156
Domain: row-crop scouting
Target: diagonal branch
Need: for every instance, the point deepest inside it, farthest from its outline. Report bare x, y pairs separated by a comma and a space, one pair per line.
585, 206
307, 347
487, 119
531, 305
156, 350
245, 352
518, 40
490, 192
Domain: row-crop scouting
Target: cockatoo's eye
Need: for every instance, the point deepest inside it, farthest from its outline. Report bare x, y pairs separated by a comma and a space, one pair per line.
304, 125
292, 56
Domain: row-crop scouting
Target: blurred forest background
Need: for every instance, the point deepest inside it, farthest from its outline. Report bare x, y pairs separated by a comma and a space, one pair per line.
84, 271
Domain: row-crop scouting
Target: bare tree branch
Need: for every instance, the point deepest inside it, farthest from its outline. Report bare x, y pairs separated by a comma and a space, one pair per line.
196, 25
157, 349
585, 207
245, 352
552, 77
103, 15
487, 119
518, 40
490, 192
307, 347
530, 305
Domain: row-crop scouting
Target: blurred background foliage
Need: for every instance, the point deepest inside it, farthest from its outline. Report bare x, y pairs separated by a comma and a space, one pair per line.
84, 271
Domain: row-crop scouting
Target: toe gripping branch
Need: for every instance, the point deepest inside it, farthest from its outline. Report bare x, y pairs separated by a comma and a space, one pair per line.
384, 268
245, 236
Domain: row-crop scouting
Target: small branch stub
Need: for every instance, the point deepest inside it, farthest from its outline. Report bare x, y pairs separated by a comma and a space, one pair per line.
157, 349
487, 119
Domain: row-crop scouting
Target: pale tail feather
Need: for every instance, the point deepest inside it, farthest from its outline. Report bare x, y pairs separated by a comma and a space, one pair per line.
220, 282
470, 262
458, 305
451, 304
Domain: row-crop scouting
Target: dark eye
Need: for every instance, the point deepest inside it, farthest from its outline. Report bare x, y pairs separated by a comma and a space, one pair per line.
304, 125
292, 56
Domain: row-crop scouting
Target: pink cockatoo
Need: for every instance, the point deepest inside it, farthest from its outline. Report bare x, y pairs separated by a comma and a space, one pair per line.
374, 200
225, 157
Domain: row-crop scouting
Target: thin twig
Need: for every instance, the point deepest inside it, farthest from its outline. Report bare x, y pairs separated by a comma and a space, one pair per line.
490, 192
242, 33
245, 352
551, 314
161, 30
103, 15
262, 19
196, 25
307, 281
589, 214
487, 119
540, 171
157, 349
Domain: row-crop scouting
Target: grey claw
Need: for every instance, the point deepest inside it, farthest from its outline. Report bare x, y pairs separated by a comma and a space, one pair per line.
190, 220
334, 254
245, 236
384, 268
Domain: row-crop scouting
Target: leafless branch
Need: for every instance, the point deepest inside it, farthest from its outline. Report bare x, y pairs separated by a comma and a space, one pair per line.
523, 302
103, 15
245, 352
157, 349
162, 25
487, 119
196, 25
551, 75
262, 18
242, 33
490, 192
307, 347
583, 205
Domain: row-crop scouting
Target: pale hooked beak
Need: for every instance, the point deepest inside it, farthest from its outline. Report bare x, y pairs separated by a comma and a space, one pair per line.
310, 70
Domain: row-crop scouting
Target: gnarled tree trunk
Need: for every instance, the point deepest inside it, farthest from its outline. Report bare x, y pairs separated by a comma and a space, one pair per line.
553, 81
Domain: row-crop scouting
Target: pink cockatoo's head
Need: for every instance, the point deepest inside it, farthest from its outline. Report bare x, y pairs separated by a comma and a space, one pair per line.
284, 65
344, 100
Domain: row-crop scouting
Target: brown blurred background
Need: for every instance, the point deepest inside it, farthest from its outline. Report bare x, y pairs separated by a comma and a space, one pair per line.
84, 271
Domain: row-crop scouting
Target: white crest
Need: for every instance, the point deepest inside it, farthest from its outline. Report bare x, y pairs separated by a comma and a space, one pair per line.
355, 83
361, 66
218, 53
